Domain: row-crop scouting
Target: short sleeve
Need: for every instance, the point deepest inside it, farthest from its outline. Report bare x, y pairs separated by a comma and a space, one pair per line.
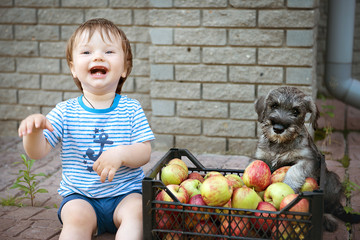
141, 130
55, 116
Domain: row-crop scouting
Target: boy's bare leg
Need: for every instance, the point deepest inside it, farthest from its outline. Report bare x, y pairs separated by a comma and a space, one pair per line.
79, 220
128, 218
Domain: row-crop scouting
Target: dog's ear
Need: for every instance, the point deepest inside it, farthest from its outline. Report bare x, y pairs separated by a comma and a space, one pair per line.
260, 108
313, 109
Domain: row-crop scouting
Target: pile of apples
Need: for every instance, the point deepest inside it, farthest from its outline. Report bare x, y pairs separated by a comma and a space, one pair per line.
257, 189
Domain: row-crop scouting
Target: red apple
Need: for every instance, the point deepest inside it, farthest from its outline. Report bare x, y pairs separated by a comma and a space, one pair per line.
263, 223
245, 198
196, 175
191, 218
283, 230
205, 227
164, 220
257, 175
235, 180
309, 185
180, 163
301, 206
275, 193
173, 174
279, 174
179, 192
173, 235
211, 174
235, 226
216, 190
192, 186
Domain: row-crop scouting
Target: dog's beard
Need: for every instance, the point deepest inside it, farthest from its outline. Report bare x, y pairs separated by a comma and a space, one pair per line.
287, 135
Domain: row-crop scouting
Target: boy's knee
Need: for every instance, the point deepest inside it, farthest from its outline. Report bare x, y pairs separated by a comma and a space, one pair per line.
78, 212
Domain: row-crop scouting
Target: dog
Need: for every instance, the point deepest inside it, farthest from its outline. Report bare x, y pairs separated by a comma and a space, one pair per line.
285, 141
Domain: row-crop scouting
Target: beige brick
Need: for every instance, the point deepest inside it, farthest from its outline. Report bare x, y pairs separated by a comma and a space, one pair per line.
229, 18
229, 128
201, 145
246, 147
172, 125
229, 55
245, 111
201, 73
162, 17
256, 74
175, 90
8, 96
202, 109
234, 92
39, 97
165, 54
287, 18
256, 37
16, 112
286, 56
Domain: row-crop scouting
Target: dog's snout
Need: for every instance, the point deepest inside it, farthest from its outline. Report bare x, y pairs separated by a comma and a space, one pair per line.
278, 128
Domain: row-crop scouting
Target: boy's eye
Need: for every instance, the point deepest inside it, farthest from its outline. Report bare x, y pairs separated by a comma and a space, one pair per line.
108, 52
85, 52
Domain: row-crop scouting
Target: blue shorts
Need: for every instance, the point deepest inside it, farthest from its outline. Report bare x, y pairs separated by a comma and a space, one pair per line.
104, 209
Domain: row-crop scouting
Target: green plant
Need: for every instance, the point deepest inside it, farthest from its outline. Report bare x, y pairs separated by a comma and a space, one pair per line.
26, 180
11, 201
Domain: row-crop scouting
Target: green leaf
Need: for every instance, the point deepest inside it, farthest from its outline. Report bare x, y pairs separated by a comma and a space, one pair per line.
40, 174
42, 190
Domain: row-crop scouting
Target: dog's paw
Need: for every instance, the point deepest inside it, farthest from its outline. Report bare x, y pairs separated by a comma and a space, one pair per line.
330, 223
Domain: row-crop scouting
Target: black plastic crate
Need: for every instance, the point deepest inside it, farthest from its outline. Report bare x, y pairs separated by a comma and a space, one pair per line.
174, 220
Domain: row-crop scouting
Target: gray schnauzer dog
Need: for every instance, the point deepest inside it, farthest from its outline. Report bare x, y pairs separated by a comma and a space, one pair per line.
285, 141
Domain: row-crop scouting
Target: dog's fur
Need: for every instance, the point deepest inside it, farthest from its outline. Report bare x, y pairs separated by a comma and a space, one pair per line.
285, 141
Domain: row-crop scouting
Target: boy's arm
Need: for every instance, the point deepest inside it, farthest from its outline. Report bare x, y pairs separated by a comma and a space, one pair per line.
34, 141
133, 156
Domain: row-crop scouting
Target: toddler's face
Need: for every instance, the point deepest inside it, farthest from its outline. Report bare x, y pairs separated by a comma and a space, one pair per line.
98, 63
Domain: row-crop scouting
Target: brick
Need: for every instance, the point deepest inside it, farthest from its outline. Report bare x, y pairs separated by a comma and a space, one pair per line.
201, 36
53, 49
287, 18
17, 15
67, 31
163, 142
245, 147
229, 128
8, 96
232, 92
263, 90
140, 68
37, 32
37, 3
82, 3
37, 97
14, 48
143, 84
129, 3
117, 16
161, 3
141, 50
161, 17
201, 145
6, 32
161, 72
60, 16
144, 100
161, 36
201, 73
16, 112
15, 80
38, 65
7, 64
286, 56
229, 55
300, 38
58, 82
229, 18
129, 85
163, 107
141, 17
175, 90
64, 67
164, 54
176, 125
255, 74
202, 109
245, 111
299, 76
302, 3
256, 4
256, 37
138, 34
200, 3
6, 3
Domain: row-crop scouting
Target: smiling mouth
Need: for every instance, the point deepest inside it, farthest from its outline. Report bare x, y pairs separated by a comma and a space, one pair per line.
98, 70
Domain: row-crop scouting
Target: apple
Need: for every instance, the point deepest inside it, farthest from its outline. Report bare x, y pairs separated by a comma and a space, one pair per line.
205, 227
179, 162
196, 175
211, 174
309, 185
179, 192
257, 175
301, 206
245, 198
192, 186
216, 190
173, 174
234, 226
191, 219
235, 180
263, 223
279, 174
164, 220
275, 193
173, 235
283, 230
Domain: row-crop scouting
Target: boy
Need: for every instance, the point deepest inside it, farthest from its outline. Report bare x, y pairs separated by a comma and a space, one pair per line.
103, 135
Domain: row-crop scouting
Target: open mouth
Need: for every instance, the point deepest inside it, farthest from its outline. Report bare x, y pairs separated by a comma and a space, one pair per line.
98, 70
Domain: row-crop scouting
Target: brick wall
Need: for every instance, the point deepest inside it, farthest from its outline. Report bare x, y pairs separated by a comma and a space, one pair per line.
198, 65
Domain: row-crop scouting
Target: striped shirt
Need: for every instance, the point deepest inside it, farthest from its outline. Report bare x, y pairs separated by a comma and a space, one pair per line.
85, 133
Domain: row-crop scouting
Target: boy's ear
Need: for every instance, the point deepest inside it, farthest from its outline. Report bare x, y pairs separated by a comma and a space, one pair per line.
71, 66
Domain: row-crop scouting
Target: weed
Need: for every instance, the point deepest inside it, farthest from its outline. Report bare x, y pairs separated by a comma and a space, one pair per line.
11, 201
26, 180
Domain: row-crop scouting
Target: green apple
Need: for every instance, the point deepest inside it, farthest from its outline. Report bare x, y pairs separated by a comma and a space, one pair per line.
235, 180
173, 174
309, 185
192, 186
180, 162
216, 191
245, 198
275, 193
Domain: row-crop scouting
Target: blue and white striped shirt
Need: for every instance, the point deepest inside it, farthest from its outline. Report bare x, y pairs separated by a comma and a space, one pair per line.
85, 133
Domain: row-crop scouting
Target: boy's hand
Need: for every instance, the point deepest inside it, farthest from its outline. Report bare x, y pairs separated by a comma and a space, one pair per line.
33, 123
107, 165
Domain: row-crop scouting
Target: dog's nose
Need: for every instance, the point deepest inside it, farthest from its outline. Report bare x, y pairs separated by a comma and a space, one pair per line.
278, 128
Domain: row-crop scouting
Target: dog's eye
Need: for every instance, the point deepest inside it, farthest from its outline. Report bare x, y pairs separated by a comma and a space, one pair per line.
274, 106
295, 112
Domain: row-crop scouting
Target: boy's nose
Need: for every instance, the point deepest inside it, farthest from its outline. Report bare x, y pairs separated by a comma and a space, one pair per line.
98, 57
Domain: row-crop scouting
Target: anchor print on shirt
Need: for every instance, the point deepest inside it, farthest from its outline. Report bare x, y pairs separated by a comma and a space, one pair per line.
102, 138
